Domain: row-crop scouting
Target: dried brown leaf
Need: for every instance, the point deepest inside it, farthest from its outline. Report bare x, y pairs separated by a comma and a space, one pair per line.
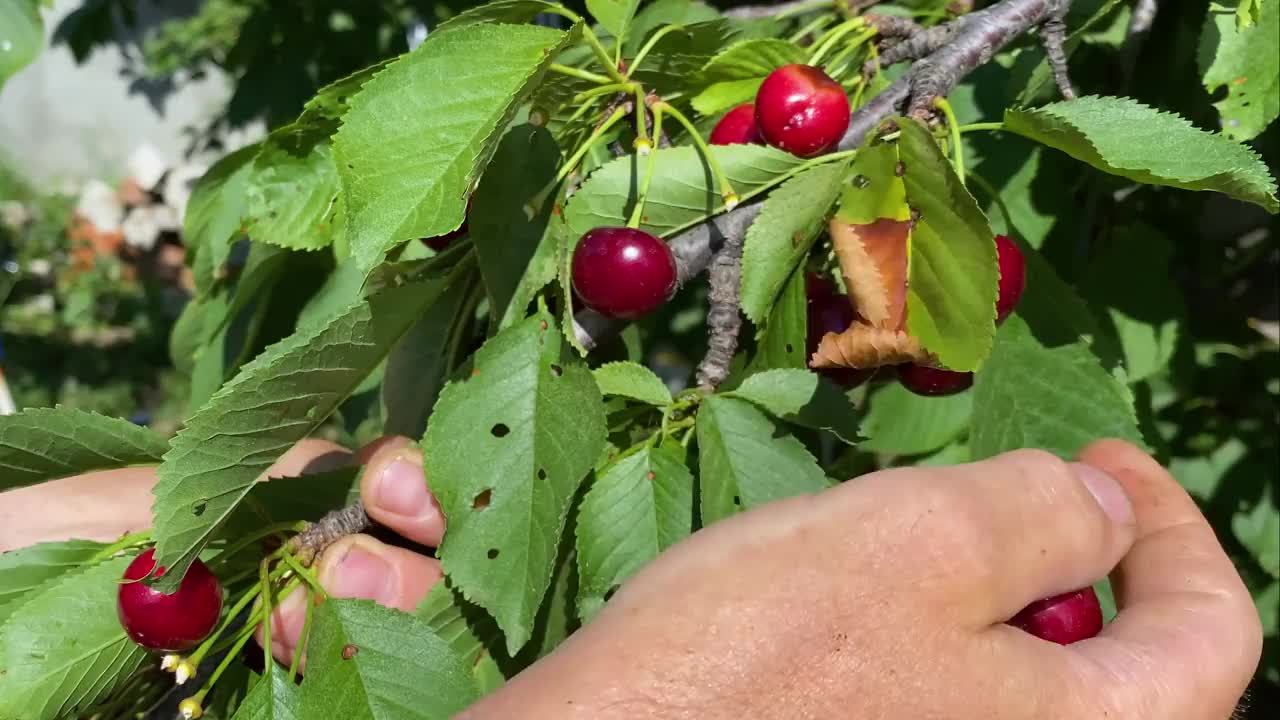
873, 261
867, 346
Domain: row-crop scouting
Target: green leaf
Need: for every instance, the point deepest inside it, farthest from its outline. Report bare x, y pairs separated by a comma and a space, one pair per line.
633, 381
501, 11
665, 12
536, 417
1059, 398
272, 697
952, 278
674, 62
276, 400
1126, 138
416, 369
468, 630
746, 460
21, 36
734, 75
505, 233
903, 423
637, 507
290, 499
1258, 529
63, 649
1246, 61
1145, 307
25, 569
781, 341
778, 241
803, 398
367, 661
682, 193
292, 190
215, 213
614, 15
40, 444
420, 132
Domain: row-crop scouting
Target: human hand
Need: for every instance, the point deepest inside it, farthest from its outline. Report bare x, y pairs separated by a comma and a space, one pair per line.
885, 598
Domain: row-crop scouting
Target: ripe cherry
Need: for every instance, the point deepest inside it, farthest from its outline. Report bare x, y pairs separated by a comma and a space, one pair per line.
800, 109
176, 622
623, 272
1013, 276
930, 381
737, 127
1062, 619
830, 310
440, 242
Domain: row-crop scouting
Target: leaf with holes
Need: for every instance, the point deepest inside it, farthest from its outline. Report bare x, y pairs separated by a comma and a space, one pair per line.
781, 340
682, 192
630, 380
292, 191
952, 276
734, 75
1245, 61
63, 648
1055, 398
535, 415
746, 460
40, 444
792, 218
1126, 138
638, 506
26, 569
802, 398
418, 134
365, 661
276, 400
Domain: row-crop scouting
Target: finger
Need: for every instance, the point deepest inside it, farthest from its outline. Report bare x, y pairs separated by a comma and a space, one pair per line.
357, 566
308, 457
395, 493
1002, 533
96, 506
1186, 623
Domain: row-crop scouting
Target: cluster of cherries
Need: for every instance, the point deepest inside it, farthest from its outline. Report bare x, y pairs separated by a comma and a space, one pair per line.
831, 311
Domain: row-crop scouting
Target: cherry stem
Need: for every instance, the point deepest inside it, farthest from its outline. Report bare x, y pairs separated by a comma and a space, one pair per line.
987, 187
642, 144
610, 88
649, 45
727, 192
304, 640
813, 26
601, 54
839, 64
579, 73
250, 594
957, 147
264, 577
304, 573
832, 36
252, 538
637, 213
131, 540
993, 126
233, 654
588, 143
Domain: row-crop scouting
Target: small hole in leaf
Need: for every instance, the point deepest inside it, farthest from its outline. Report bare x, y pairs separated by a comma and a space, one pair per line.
342, 98
500, 430
556, 370
790, 348
542, 473
737, 500
493, 553
482, 499
199, 508
351, 166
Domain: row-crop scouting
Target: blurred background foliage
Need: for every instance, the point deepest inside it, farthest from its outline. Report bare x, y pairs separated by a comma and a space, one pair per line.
1186, 281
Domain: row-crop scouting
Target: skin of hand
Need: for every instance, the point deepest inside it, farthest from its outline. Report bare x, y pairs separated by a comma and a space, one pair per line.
882, 598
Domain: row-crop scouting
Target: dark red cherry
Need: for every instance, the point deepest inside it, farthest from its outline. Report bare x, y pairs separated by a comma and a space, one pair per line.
623, 272
1013, 276
440, 242
930, 381
737, 127
830, 310
173, 623
800, 109
1063, 619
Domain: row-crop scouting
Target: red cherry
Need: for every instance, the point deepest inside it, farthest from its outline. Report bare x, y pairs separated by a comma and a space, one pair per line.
623, 272
829, 310
1013, 276
800, 109
930, 381
737, 127
176, 622
440, 242
1063, 619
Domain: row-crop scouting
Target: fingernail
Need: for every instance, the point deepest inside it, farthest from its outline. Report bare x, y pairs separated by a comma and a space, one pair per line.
402, 489
1104, 488
362, 574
